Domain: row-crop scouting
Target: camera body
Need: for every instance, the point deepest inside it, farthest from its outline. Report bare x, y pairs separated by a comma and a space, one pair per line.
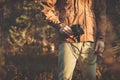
77, 31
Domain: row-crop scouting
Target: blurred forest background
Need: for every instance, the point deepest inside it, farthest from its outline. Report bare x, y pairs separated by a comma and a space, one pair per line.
27, 44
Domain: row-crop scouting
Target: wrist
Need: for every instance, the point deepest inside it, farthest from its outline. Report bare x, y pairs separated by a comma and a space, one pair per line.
101, 38
60, 24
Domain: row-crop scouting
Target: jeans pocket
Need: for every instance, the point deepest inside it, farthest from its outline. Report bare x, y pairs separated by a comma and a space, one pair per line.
88, 54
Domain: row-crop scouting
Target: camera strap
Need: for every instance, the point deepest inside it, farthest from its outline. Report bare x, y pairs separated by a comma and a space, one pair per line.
78, 52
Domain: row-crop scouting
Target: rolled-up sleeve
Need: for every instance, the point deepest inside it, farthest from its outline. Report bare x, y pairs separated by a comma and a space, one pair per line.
48, 10
100, 12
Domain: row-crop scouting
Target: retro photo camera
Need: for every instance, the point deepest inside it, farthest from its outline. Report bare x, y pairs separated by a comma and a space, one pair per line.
77, 31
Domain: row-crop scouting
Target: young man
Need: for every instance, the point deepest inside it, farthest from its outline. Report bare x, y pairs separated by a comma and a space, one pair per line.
90, 16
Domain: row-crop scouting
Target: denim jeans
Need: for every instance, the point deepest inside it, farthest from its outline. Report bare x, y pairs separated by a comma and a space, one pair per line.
68, 55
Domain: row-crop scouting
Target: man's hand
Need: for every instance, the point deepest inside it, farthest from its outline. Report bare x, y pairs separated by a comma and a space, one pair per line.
66, 30
100, 46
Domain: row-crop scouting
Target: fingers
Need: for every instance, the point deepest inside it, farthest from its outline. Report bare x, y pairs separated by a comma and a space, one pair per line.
96, 48
67, 30
101, 49
100, 46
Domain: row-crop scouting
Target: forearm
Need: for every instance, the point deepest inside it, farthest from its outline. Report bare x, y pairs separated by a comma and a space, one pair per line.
100, 11
49, 11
